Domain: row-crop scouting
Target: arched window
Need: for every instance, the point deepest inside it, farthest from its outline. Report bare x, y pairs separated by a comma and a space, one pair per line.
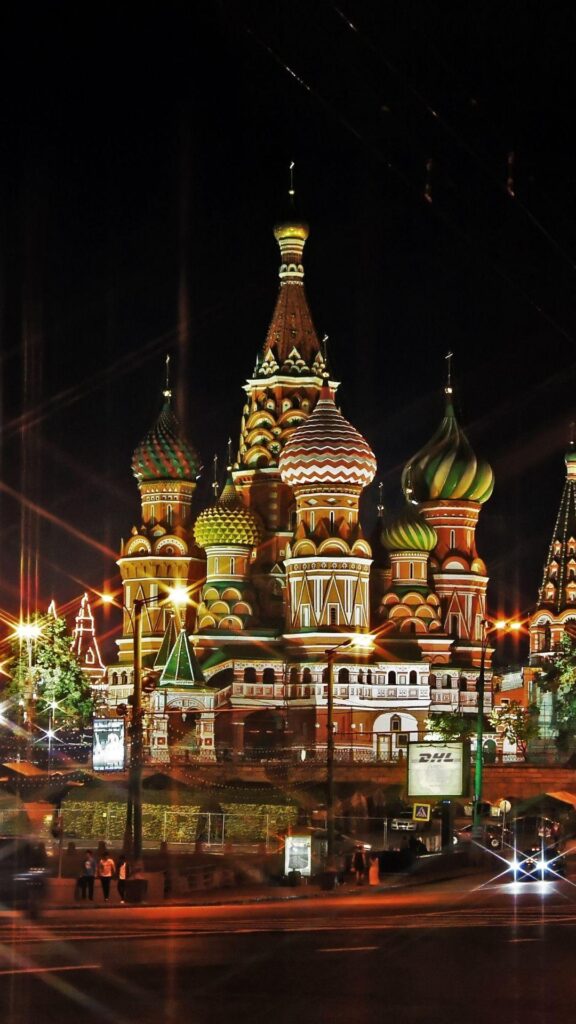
547, 637
392, 678
448, 682
269, 676
169, 515
463, 684
124, 678
432, 681
344, 676
307, 676
294, 676
250, 675
395, 723
369, 676
413, 677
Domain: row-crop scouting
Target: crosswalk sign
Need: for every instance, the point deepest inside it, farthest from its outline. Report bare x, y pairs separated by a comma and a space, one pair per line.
421, 812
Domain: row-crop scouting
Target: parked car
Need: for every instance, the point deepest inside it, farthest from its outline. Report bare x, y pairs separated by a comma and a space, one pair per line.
539, 863
403, 822
492, 835
24, 878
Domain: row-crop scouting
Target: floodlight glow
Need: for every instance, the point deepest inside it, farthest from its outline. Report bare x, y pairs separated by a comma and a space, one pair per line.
28, 631
178, 596
363, 640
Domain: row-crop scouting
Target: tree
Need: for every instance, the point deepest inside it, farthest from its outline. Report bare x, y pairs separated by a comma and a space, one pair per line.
559, 679
518, 724
452, 725
50, 672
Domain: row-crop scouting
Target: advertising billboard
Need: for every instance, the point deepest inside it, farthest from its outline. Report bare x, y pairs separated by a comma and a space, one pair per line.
108, 748
298, 855
436, 769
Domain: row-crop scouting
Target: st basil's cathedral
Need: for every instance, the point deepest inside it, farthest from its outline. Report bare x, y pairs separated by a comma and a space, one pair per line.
279, 570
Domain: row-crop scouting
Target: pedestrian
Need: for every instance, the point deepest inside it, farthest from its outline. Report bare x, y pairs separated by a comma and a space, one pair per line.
374, 870
122, 875
359, 865
87, 875
106, 871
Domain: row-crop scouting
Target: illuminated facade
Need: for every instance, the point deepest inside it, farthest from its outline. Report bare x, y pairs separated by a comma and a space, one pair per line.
556, 605
279, 570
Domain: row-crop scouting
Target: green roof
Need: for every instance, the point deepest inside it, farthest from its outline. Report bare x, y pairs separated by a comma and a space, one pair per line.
182, 667
170, 637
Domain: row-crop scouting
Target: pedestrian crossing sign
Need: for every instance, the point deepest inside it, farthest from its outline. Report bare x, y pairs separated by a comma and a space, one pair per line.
421, 812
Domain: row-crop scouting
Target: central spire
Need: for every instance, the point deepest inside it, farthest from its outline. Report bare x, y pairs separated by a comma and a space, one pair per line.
291, 327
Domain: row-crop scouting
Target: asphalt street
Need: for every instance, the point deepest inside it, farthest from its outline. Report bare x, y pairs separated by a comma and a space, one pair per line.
472, 948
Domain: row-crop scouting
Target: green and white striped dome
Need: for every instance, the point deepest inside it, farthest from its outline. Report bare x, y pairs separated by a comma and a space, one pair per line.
409, 532
447, 468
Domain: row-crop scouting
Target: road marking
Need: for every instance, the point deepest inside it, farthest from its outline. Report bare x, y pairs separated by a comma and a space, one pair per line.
51, 970
346, 949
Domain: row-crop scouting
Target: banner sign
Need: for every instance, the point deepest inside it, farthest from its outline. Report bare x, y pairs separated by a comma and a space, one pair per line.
108, 749
436, 769
298, 855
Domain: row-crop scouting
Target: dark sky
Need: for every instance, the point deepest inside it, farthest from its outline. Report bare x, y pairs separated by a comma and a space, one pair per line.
146, 145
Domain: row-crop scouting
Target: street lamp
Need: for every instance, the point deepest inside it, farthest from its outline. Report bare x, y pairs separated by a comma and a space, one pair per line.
365, 642
29, 632
487, 628
177, 596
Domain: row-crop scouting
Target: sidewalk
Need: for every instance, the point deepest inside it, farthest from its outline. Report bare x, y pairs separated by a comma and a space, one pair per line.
427, 871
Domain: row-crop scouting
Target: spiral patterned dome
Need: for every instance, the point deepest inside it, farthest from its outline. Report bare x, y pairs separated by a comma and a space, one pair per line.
326, 449
409, 532
228, 521
164, 454
447, 468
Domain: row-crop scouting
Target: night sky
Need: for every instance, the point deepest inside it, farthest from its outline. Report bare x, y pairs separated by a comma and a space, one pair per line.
145, 153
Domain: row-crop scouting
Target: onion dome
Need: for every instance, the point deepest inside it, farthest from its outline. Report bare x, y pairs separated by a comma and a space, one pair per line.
447, 468
228, 521
409, 532
164, 453
326, 449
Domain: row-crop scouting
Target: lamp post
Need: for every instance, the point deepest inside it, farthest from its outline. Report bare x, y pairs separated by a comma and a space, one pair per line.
366, 642
478, 764
29, 632
487, 628
178, 596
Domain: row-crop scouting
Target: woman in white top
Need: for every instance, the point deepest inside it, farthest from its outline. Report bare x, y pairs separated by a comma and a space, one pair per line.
123, 871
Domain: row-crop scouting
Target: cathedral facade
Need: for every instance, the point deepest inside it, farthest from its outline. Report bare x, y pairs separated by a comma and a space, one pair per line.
282, 579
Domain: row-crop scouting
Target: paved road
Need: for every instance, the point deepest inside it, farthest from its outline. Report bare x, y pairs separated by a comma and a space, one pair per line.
452, 951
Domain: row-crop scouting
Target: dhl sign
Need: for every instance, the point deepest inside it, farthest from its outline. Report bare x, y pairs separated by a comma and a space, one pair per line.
436, 769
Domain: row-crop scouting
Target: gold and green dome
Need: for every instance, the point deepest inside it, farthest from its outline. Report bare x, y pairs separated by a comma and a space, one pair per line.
409, 532
164, 453
228, 521
446, 468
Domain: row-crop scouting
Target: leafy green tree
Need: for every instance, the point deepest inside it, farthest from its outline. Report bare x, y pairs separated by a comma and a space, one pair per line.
518, 724
49, 671
452, 725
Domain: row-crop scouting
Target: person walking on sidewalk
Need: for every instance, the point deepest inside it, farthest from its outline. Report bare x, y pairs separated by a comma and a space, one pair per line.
359, 865
123, 873
106, 871
87, 875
